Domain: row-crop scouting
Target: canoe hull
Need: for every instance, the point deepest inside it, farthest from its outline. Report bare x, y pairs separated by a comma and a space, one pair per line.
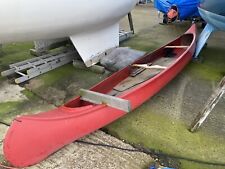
40, 135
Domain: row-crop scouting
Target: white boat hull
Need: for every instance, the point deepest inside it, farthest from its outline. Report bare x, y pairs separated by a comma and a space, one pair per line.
213, 12
91, 25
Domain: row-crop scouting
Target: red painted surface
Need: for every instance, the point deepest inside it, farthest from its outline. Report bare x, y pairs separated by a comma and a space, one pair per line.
32, 138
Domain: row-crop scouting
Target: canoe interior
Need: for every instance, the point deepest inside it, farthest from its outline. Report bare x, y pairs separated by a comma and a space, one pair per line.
122, 81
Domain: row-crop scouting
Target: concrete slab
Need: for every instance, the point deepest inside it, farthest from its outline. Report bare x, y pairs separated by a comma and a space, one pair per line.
79, 155
11, 92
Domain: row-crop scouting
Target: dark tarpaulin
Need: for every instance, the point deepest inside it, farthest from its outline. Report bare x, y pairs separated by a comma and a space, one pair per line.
187, 8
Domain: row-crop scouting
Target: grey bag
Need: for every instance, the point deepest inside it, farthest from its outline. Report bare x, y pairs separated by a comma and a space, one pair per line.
120, 58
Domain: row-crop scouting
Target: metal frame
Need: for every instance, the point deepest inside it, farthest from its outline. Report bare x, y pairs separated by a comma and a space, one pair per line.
34, 67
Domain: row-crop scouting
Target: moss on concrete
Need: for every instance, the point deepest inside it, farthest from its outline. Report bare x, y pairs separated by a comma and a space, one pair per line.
57, 75
14, 52
2, 158
149, 129
192, 165
33, 104
67, 73
9, 109
139, 43
211, 65
62, 84
29, 95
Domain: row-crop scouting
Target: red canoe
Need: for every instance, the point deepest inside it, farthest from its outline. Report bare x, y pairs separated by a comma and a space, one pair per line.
32, 138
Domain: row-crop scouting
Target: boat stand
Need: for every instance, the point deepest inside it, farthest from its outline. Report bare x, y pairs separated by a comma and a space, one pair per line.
42, 47
210, 104
124, 35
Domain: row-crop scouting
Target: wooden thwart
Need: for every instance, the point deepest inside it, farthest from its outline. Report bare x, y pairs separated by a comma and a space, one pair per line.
146, 66
176, 47
148, 72
99, 98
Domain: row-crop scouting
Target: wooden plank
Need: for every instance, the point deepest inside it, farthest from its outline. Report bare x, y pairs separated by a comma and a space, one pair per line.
100, 98
138, 70
211, 103
176, 47
146, 66
131, 82
147, 74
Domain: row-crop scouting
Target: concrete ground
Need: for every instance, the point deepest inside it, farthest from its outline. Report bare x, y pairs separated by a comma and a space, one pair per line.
80, 155
160, 124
